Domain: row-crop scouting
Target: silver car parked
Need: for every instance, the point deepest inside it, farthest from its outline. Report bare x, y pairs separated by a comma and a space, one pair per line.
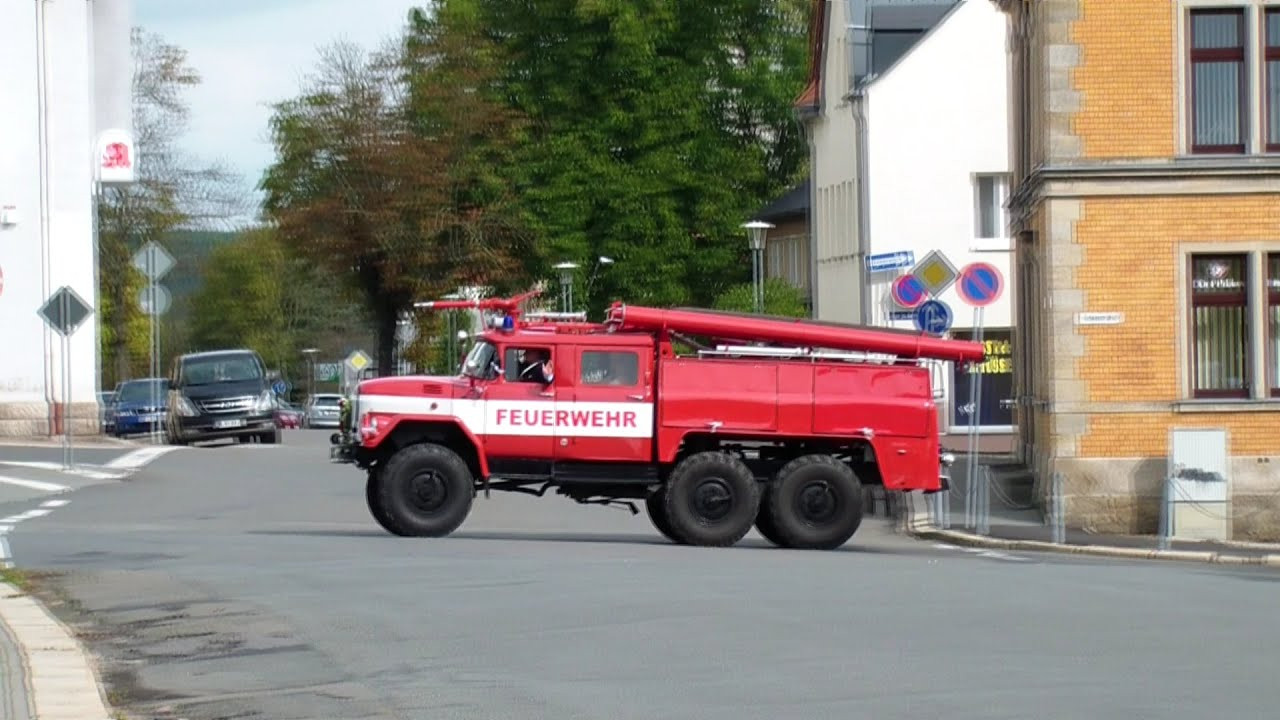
322, 411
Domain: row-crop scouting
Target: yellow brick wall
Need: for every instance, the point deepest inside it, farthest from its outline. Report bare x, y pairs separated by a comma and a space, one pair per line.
1129, 266
1127, 78
1147, 435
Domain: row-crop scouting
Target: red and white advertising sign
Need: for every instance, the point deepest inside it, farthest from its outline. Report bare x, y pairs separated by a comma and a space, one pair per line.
117, 158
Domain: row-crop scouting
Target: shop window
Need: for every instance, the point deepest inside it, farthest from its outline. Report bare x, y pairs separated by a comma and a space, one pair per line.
994, 408
1220, 326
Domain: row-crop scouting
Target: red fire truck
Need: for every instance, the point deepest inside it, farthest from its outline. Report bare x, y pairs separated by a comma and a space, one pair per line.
718, 421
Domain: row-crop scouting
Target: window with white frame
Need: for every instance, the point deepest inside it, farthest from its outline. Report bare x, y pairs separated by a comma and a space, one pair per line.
1273, 321
989, 194
1227, 324
1233, 77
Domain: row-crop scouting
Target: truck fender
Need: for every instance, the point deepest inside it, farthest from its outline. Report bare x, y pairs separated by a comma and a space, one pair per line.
400, 426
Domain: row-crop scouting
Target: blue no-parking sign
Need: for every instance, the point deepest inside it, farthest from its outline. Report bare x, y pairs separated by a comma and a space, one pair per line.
980, 284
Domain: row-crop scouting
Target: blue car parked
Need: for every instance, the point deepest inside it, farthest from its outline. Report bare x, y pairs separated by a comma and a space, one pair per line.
139, 406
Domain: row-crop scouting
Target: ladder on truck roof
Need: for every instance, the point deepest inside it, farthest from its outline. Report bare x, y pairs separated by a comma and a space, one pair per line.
797, 353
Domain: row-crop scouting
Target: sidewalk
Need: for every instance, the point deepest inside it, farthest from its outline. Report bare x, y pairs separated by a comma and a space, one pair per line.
1021, 527
45, 674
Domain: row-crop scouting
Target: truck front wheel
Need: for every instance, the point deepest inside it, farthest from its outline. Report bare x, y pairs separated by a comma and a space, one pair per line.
711, 499
425, 490
815, 503
373, 497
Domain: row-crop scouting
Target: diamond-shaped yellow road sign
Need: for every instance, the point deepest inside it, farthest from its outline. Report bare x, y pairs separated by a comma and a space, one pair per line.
936, 272
358, 361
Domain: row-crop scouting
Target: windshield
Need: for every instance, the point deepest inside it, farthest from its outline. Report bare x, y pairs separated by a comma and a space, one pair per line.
226, 368
477, 362
141, 391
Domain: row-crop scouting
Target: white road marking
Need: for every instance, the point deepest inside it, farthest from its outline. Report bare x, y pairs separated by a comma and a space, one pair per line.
54, 503
81, 471
140, 457
33, 484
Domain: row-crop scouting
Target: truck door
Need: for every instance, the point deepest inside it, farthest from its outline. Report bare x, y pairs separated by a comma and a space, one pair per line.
519, 408
610, 418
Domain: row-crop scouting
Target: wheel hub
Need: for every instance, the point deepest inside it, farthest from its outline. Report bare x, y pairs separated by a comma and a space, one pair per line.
712, 499
427, 491
817, 502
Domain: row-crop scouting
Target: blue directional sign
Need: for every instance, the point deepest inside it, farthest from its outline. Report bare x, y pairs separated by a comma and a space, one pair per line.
933, 317
891, 261
980, 284
280, 387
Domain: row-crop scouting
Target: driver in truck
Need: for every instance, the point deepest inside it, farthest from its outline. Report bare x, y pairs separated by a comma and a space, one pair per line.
537, 367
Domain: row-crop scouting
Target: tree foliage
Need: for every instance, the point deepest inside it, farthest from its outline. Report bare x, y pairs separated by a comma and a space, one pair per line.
171, 191
256, 293
780, 298
386, 171
656, 127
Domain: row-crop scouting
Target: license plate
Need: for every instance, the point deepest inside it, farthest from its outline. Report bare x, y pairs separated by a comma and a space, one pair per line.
220, 424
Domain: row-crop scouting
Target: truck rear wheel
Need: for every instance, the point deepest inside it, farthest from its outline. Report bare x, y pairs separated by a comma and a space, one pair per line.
764, 521
815, 503
425, 490
711, 499
656, 504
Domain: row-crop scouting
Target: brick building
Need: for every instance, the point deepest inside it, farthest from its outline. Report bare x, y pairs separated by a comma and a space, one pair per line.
1146, 210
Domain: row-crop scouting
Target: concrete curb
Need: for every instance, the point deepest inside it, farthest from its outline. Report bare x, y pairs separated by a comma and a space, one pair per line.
60, 679
964, 538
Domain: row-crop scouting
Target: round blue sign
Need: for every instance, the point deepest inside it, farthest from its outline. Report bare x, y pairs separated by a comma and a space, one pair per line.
280, 387
933, 317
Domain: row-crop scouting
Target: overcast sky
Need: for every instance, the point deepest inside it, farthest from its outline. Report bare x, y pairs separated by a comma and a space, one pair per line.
251, 53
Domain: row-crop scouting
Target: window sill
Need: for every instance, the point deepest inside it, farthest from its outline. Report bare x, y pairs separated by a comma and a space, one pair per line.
1227, 406
991, 245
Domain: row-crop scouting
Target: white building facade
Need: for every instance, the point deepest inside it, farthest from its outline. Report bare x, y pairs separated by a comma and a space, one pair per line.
937, 179
65, 87
825, 109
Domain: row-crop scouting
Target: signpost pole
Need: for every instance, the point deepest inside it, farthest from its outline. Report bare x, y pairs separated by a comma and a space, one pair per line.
68, 453
975, 397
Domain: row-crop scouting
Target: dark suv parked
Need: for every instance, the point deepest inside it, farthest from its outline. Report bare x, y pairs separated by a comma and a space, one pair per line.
220, 394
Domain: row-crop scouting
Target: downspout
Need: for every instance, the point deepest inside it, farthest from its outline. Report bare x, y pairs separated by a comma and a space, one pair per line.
46, 279
858, 101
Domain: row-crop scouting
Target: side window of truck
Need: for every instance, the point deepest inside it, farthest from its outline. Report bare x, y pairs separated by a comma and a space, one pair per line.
528, 364
612, 367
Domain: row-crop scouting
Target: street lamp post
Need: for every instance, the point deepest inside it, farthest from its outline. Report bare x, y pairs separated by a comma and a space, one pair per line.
756, 230
566, 284
311, 370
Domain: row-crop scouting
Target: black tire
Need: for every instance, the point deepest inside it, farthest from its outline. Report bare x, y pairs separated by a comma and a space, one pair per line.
656, 504
374, 500
815, 503
711, 499
764, 520
425, 490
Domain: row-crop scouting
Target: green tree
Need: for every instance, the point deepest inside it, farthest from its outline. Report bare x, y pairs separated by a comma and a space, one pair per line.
780, 298
385, 172
239, 301
656, 127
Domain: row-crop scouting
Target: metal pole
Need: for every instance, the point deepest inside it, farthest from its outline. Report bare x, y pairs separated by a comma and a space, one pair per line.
68, 458
1162, 537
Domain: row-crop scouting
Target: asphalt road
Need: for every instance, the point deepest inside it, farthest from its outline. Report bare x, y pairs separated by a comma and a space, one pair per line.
250, 582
